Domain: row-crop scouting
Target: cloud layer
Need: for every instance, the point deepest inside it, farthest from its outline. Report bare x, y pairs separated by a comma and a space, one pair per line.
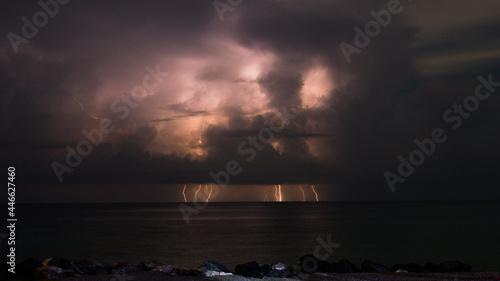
228, 79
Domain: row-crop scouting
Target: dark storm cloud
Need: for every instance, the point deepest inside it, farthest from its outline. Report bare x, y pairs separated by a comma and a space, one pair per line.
394, 91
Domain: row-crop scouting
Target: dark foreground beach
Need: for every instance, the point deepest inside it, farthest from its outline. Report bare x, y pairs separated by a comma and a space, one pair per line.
158, 276
308, 268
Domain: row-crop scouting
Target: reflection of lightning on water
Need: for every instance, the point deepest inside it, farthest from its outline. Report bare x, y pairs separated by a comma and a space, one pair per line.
303, 193
196, 193
84, 110
315, 193
210, 194
276, 192
184, 193
281, 198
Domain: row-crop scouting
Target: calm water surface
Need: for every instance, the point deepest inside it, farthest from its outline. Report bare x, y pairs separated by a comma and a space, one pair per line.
386, 232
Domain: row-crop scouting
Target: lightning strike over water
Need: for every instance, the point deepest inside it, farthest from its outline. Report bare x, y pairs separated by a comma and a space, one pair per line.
210, 194
281, 198
84, 110
276, 192
196, 193
315, 193
303, 193
184, 193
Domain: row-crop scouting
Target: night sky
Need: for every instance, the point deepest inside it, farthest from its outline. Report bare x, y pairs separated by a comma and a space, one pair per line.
182, 85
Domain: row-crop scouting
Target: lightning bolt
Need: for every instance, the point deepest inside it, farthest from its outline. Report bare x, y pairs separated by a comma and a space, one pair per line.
315, 193
84, 110
196, 193
210, 194
184, 194
303, 193
281, 198
276, 192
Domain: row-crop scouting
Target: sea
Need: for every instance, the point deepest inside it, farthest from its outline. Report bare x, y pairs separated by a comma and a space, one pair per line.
265, 232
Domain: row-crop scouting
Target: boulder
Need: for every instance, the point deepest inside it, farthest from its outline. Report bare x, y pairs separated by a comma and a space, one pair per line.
401, 271
327, 267
409, 267
277, 273
266, 267
196, 272
249, 269
87, 267
369, 266
27, 267
345, 266
52, 272
58, 262
212, 265
124, 268
309, 264
148, 265
280, 266
414, 267
214, 273
455, 266
399, 266
168, 268
432, 268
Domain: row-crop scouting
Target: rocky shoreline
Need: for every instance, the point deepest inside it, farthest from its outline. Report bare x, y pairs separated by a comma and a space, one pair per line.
307, 268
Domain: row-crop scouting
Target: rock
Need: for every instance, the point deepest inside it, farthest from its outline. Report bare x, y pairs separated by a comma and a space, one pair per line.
185, 271
414, 267
148, 265
277, 273
86, 267
401, 271
399, 266
212, 265
210, 273
327, 267
27, 267
124, 268
169, 269
369, 266
308, 264
410, 267
455, 266
197, 272
58, 262
432, 267
52, 272
280, 266
266, 267
249, 269
345, 266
